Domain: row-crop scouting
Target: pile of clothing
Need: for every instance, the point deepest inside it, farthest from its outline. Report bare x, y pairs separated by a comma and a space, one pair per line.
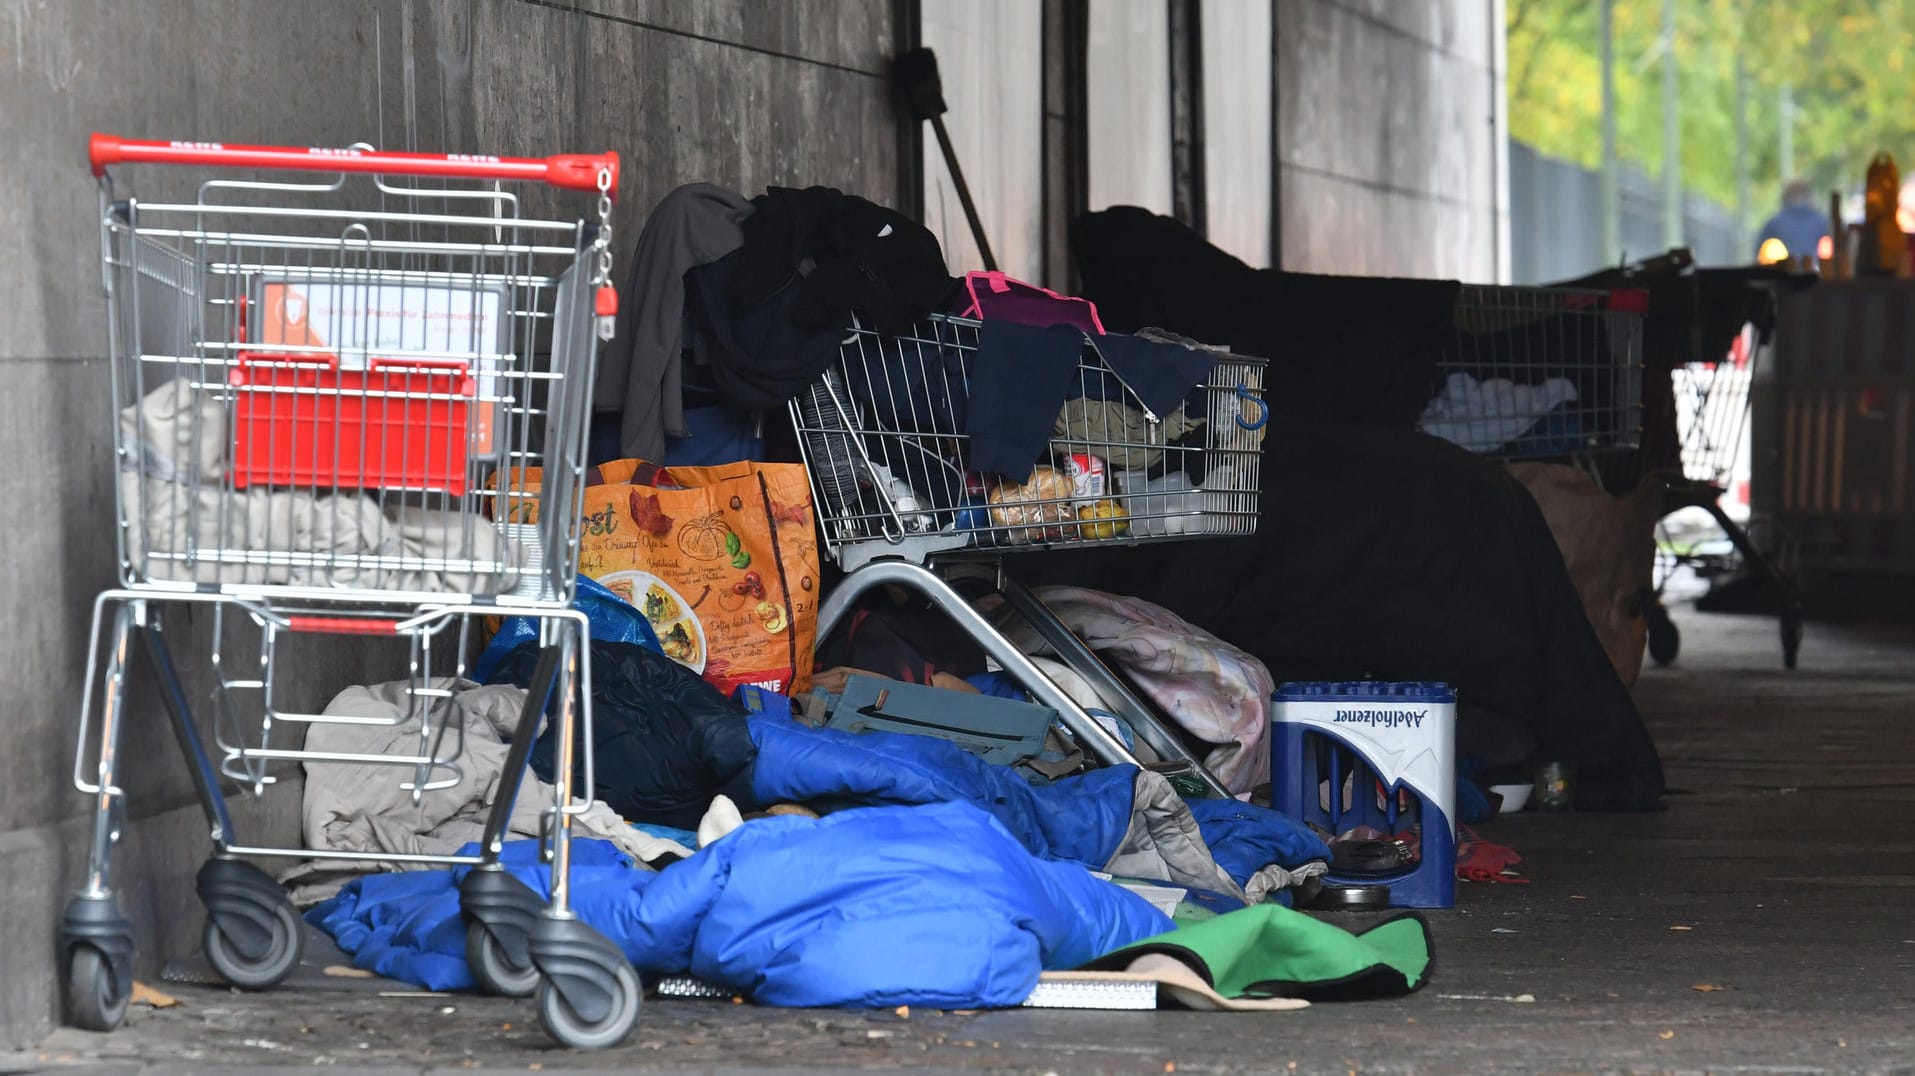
791, 863
1380, 551
1486, 415
822, 298
759, 291
741, 839
189, 523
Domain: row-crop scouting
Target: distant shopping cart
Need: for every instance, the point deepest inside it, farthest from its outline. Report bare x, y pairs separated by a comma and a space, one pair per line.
318, 379
1712, 420
1540, 373
898, 502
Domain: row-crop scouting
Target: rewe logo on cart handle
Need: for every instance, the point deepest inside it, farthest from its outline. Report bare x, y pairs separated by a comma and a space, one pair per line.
1388, 719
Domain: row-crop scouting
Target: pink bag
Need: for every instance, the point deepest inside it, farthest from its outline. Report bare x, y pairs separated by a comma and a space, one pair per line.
1000, 298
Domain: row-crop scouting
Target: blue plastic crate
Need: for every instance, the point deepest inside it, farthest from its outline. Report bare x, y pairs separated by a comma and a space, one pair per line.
1393, 746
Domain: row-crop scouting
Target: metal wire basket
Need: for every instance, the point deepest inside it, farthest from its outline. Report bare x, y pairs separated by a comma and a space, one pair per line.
1541, 372
884, 434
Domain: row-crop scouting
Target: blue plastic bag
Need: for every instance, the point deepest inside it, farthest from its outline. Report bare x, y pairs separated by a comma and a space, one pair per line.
612, 618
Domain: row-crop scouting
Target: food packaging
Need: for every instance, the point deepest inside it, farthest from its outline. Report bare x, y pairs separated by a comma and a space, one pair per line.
1088, 478
1038, 510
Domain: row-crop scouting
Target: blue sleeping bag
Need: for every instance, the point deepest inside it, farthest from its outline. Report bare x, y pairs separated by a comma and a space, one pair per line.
876, 907
406, 925
1245, 838
666, 741
1083, 818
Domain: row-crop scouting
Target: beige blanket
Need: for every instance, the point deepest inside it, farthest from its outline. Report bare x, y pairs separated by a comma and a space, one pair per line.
1609, 547
360, 807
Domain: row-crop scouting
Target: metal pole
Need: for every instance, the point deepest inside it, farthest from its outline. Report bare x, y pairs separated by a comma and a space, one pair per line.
1611, 198
1741, 153
963, 193
1671, 133
1785, 110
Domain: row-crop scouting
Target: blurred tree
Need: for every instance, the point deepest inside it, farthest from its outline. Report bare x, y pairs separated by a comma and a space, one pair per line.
1847, 61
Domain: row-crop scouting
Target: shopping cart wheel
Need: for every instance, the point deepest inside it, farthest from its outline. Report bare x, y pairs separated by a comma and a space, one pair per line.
566, 1026
94, 1000
500, 913
588, 993
1791, 637
1665, 641
98, 942
264, 966
493, 966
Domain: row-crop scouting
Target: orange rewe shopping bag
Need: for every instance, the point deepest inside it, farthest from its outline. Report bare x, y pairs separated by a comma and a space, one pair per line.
723, 561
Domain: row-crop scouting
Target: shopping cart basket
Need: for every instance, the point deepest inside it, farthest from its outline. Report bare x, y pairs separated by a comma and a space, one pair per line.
1536, 373
317, 380
1712, 422
898, 502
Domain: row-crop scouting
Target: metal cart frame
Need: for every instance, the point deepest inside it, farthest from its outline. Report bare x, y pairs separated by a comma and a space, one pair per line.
898, 503
1713, 418
1523, 339
321, 386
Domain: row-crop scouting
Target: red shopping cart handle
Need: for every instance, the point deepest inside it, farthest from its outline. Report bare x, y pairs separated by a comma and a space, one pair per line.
342, 625
456, 367
1629, 301
241, 374
574, 171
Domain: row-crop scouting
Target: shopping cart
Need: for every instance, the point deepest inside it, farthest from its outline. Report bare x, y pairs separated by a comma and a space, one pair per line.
883, 433
316, 380
1712, 422
1539, 373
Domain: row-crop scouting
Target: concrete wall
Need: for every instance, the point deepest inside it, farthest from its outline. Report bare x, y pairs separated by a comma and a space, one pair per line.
1389, 117
746, 93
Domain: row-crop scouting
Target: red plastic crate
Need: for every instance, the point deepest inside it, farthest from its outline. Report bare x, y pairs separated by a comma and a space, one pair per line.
302, 421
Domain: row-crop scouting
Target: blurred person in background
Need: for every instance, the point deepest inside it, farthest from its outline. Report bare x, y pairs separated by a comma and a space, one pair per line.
1799, 227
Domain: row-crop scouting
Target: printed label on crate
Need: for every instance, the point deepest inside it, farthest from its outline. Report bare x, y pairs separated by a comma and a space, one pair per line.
1388, 719
363, 321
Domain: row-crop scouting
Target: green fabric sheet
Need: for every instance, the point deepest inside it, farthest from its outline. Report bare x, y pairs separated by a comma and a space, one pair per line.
1267, 950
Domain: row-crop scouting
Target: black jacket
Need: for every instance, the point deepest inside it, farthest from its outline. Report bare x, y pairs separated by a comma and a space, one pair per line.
664, 741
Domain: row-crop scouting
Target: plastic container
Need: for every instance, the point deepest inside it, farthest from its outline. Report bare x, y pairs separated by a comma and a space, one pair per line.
300, 420
1556, 787
1160, 506
1515, 797
1346, 755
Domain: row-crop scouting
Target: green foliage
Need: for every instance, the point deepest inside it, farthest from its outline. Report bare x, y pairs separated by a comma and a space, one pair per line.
1847, 62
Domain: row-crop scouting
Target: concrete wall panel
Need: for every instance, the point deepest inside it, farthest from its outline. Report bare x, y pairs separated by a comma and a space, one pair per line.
1387, 125
855, 35
154, 863
1462, 29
